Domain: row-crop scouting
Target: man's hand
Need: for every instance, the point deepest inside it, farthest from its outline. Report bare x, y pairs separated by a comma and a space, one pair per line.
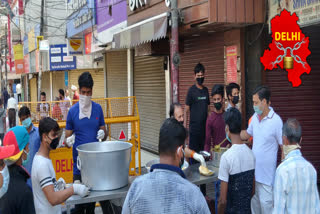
70, 140
81, 190
244, 135
199, 158
100, 134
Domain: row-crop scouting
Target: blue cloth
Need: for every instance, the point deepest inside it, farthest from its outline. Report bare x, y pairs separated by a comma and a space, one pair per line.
295, 187
85, 129
164, 190
34, 145
14, 88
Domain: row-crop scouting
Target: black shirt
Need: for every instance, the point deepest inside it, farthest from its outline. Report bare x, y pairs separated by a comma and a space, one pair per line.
18, 199
198, 100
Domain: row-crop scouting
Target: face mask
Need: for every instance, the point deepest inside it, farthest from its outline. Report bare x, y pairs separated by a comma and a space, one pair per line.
200, 80
218, 105
257, 110
24, 162
181, 122
289, 148
85, 106
235, 100
54, 143
228, 137
26, 122
6, 178
181, 162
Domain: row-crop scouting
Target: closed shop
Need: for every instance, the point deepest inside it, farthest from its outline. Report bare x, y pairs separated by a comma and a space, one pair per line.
45, 84
57, 83
117, 84
149, 88
209, 51
301, 102
98, 79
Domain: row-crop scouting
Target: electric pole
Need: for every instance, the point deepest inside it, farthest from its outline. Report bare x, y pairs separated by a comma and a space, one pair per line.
40, 55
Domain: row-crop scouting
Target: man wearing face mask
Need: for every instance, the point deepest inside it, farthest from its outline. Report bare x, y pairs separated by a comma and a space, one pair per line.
34, 138
165, 189
176, 112
215, 128
85, 124
266, 130
18, 198
5, 152
232, 91
49, 193
295, 186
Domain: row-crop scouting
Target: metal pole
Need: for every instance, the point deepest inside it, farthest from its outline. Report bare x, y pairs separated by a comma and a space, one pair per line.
174, 51
40, 55
5, 52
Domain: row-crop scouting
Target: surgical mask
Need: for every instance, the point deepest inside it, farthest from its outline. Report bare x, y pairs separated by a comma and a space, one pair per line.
85, 106
182, 159
54, 143
200, 80
26, 122
235, 100
289, 148
257, 110
228, 137
24, 162
6, 178
218, 105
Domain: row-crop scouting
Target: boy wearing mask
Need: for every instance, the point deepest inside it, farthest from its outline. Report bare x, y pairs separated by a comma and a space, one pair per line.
34, 138
233, 90
5, 152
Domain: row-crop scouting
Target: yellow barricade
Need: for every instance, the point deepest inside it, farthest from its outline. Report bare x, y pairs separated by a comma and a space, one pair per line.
122, 122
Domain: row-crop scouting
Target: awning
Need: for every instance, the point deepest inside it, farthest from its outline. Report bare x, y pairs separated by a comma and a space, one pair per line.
145, 31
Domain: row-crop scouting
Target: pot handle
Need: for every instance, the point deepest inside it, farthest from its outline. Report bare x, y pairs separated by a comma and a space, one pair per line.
78, 163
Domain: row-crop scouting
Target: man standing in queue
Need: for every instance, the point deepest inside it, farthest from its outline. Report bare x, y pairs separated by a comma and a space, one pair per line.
85, 124
198, 104
233, 90
266, 130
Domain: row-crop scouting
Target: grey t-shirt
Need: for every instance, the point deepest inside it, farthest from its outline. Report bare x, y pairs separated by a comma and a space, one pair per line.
2, 121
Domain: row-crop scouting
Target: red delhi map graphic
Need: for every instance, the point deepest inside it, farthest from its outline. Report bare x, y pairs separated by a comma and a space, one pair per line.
287, 41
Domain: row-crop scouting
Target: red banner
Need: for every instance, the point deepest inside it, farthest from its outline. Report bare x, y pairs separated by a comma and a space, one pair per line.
232, 64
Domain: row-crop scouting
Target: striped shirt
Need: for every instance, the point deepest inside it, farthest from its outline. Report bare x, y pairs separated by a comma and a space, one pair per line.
164, 191
295, 187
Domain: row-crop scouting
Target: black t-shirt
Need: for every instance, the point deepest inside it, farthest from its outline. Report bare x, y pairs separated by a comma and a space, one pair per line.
198, 100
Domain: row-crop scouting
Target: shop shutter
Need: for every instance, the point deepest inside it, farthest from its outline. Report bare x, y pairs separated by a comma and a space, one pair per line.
209, 51
149, 88
45, 84
301, 102
58, 83
98, 79
117, 74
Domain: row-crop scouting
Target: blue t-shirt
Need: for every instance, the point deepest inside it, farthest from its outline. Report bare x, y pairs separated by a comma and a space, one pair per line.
85, 129
34, 145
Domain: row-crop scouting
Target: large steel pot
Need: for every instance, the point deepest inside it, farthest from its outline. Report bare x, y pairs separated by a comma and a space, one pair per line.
104, 165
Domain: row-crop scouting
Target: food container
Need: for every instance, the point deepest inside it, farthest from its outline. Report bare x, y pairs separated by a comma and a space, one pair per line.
104, 165
216, 156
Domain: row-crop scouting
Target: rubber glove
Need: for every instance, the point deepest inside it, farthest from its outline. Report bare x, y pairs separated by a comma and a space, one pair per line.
61, 184
199, 158
70, 140
81, 190
100, 134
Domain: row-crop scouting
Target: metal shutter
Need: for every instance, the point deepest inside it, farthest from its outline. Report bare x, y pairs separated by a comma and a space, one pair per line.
57, 83
302, 102
117, 74
45, 84
98, 79
208, 50
149, 88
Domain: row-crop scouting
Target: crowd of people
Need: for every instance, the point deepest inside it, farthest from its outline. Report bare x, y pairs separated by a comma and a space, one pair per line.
249, 179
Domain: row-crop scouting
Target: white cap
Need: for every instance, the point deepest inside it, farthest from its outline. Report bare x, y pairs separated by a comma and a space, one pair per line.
74, 88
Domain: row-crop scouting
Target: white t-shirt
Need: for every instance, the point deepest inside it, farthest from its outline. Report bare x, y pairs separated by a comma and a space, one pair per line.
12, 103
267, 136
42, 175
18, 88
239, 158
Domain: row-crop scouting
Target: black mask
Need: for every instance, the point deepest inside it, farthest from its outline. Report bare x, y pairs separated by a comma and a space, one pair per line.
54, 143
181, 122
218, 105
235, 100
200, 80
